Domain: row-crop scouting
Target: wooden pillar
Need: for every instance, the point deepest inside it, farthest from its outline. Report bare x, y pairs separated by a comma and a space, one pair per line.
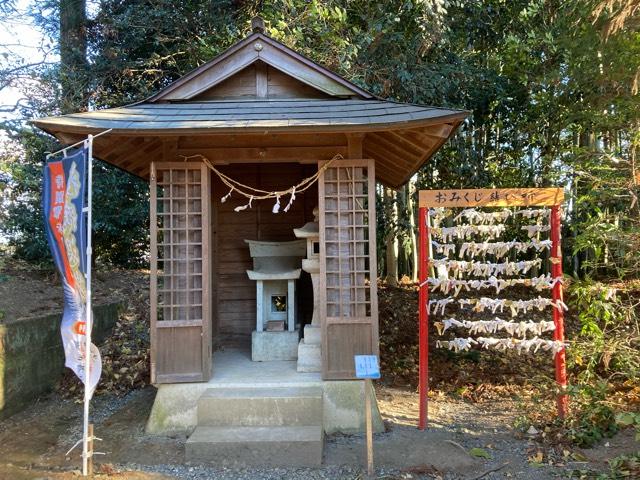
153, 268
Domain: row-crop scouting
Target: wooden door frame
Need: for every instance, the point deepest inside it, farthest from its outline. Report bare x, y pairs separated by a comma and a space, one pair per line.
206, 294
372, 318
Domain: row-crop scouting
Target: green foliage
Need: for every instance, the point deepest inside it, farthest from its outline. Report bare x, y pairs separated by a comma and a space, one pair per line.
120, 213
479, 453
620, 468
627, 419
552, 98
139, 47
121, 217
609, 341
624, 466
596, 304
21, 219
592, 418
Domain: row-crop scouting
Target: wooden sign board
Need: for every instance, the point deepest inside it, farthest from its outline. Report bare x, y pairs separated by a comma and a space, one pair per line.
491, 197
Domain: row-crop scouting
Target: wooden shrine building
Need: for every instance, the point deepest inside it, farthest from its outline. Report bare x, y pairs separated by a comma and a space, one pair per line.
266, 117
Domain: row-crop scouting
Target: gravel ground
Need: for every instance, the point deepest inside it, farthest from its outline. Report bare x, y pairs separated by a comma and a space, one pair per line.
33, 444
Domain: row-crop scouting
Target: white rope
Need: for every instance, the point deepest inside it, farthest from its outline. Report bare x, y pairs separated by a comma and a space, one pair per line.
486, 269
532, 230
475, 216
445, 285
224, 199
499, 249
481, 304
492, 326
503, 344
253, 193
466, 231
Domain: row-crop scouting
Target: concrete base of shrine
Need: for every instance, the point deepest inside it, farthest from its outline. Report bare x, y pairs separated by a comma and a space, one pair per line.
175, 407
274, 346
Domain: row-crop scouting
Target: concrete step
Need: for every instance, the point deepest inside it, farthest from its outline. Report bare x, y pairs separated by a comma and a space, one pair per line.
309, 357
260, 446
285, 406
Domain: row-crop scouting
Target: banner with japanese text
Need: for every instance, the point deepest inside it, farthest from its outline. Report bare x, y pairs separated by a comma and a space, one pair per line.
63, 201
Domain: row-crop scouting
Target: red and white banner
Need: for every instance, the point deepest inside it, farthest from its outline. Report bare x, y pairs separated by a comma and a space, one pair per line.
64, 204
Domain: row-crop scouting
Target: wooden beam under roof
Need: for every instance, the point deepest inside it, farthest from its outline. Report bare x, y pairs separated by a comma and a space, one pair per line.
141, 154
386, 173
392, 148
394, 137
143, 168
262, 140
228, 155
418, 148
442, 130
124, 146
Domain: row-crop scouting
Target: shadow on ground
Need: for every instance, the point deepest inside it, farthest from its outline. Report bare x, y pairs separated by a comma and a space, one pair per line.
33, 444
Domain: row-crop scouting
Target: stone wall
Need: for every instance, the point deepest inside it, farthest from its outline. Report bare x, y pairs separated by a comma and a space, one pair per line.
32, 358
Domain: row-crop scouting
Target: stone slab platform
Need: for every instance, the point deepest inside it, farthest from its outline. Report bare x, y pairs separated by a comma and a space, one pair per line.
287, 406
175, 407
260, 446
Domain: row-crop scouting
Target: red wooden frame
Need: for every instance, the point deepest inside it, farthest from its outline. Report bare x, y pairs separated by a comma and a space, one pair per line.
558, 314
423, 302
488, 198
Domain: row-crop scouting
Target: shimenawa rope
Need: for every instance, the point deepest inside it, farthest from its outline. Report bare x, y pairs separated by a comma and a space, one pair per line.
255, 193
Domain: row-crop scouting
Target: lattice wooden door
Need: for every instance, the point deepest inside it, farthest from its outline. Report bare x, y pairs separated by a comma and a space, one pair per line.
180, 273
348, 298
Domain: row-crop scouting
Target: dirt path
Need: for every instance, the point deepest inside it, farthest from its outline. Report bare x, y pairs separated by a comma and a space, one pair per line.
33, 444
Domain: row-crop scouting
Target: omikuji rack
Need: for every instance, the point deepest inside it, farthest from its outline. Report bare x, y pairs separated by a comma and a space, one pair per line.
469, 198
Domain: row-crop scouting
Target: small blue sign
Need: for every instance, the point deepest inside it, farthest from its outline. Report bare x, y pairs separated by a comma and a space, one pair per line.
367, 366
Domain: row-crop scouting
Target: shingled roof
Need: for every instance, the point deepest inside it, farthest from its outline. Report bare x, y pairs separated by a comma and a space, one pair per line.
254, 114
261, 86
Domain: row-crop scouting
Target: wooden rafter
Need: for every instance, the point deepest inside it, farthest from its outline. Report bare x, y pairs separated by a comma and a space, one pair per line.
134, 156
388, 148
123, 146
418, 150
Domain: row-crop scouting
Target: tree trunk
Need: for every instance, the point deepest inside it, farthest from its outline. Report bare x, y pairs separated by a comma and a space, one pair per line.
73, 55
391, 206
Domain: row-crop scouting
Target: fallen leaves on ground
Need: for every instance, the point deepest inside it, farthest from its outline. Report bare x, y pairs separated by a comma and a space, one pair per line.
125, 353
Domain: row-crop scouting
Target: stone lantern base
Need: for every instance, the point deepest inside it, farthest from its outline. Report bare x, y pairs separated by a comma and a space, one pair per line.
309, 350
272, 346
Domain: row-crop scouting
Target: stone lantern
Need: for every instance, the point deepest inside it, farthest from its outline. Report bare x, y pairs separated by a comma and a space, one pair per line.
309, 348
276, 267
